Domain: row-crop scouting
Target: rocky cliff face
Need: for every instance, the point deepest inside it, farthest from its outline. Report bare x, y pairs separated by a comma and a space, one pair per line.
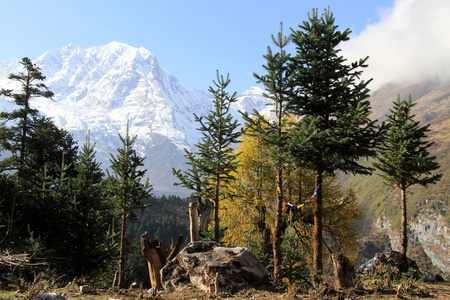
433, 235
429, 231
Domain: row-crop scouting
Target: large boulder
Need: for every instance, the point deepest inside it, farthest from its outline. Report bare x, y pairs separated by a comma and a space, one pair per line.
206, 265
394, 260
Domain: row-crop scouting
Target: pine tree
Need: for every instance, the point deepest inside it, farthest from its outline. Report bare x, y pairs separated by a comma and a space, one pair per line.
92, 211
404, 156
15, 136
216, 157
129, 189
277, 82
330, 102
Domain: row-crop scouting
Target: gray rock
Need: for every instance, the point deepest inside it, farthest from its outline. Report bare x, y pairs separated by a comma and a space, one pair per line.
392, 259
207, 265
49, 296
85, 289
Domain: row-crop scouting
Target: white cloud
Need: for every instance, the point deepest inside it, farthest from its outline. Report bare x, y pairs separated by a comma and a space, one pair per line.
410, 42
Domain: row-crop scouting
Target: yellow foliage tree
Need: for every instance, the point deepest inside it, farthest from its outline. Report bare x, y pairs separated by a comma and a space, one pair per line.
250, 216
248, 213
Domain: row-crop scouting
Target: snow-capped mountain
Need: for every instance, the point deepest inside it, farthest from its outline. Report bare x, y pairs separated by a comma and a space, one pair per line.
98, 89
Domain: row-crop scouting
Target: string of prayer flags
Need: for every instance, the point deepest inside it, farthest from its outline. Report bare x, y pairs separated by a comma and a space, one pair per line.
300, 205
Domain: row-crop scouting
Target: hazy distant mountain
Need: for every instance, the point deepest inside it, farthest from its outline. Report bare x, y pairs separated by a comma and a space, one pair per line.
98, 89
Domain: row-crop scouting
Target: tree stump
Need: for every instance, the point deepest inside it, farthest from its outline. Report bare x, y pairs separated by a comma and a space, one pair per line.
194, 225
151, 249
343, 271
156, 259
205, 211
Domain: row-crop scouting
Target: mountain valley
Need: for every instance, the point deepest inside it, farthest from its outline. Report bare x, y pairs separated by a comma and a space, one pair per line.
99, 89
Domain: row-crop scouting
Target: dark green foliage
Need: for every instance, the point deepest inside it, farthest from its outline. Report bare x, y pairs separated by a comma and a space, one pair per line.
47, 148
50, 157
329, 96
220, 133
294, 264
213, 163
335, 132
43, 155
127, 168
127, 188
92, 219
55, 204
14, 138
67, 221
278, 83
404, 158
9, 216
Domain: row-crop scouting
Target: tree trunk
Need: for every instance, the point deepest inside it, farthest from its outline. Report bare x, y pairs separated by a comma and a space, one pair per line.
205, 212
216, 211
193, 220
404, 223
277, 257
176, 249
153, 252
151, 249
318, 229
343, 271
121, 280
265, 231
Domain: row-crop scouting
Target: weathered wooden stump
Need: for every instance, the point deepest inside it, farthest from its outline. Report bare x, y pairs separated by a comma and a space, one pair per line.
194, 225
156, 258
343, 271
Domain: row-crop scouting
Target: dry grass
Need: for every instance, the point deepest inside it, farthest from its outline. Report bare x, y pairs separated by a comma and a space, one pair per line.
368, 289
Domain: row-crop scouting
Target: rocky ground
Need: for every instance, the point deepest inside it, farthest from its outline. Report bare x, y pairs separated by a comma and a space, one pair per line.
365, 290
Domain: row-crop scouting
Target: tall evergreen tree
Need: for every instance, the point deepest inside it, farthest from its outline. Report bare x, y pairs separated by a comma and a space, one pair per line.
91, 216
15, 136
330, 98
216, 158
128, 188
404, 157
278, 85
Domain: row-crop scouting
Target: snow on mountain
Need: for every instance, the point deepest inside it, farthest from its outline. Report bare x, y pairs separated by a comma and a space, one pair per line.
98, 89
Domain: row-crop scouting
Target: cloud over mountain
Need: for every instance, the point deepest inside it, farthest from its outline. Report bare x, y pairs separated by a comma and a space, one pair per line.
409, 43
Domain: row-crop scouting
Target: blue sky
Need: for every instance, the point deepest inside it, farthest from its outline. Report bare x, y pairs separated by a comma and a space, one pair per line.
192, 39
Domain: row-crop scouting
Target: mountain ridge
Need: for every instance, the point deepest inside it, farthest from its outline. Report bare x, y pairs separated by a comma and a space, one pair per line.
101, 88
